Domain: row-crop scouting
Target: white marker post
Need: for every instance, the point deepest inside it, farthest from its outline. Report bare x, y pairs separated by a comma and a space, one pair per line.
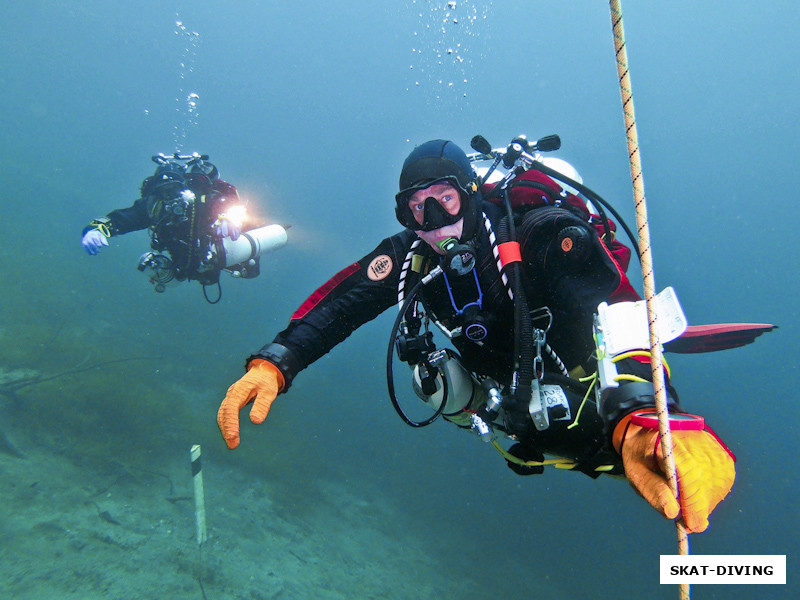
199, 501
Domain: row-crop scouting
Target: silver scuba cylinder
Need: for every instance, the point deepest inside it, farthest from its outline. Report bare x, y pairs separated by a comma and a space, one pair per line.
251, 244
158, 269
462, 387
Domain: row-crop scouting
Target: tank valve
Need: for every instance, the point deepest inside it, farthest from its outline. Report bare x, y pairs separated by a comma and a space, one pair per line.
481, 421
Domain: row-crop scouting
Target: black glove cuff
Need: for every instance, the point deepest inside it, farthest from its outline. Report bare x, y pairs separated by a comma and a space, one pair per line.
101, 224
281, 357
625, 399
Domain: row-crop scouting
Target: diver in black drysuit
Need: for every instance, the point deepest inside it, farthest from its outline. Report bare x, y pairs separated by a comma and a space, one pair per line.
570, 286
184, 208
459, 257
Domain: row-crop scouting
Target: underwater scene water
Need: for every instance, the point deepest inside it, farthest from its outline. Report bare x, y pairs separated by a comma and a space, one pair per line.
309, 108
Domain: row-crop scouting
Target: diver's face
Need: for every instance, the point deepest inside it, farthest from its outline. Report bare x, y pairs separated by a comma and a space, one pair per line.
444, 193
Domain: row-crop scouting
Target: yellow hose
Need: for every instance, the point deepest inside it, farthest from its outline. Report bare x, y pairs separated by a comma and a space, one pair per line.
647, 268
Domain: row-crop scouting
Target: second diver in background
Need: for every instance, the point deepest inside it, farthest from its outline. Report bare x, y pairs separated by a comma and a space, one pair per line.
195, 220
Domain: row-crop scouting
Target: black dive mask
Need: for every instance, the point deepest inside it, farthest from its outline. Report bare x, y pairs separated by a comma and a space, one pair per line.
435, 216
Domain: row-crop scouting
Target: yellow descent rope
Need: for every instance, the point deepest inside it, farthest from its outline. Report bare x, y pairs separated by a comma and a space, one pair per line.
647, 267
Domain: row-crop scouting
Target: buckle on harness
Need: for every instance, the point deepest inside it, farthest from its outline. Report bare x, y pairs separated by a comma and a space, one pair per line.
537, 408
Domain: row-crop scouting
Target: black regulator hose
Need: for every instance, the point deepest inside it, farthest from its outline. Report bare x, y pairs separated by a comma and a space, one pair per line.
523, 326
219, 293
390, 363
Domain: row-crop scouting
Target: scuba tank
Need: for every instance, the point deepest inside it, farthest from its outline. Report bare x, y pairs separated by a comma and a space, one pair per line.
463, 392
249, 245
159, 270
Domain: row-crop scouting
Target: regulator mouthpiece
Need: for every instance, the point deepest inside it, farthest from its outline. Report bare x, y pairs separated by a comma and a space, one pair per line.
459, 258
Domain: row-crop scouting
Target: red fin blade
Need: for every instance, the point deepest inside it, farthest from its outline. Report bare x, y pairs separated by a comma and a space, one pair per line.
721, 336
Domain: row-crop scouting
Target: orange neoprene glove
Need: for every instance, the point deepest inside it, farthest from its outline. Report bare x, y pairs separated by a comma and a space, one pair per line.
259, 385
705, 468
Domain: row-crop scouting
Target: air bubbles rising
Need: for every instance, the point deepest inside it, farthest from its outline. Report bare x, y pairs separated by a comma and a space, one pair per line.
445, 43
187, 102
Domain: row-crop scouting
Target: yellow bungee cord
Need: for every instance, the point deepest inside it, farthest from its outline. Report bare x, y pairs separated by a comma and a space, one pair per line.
646, 261
568, 463
592, 379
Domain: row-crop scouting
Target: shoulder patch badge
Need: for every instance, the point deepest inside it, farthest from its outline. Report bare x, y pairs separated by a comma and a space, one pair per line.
379, 268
